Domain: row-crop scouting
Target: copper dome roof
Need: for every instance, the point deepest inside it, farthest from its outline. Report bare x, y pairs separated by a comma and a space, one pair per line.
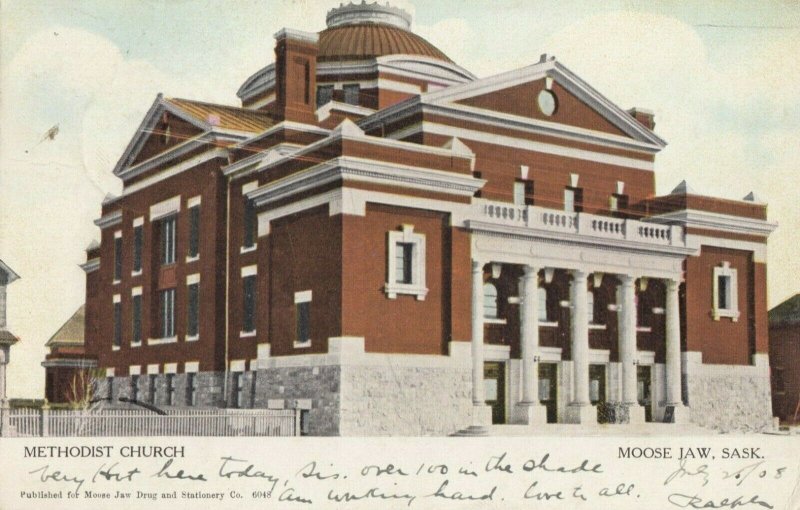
368, 40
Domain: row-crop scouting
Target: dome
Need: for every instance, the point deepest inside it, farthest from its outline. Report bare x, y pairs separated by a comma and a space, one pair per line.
361, 31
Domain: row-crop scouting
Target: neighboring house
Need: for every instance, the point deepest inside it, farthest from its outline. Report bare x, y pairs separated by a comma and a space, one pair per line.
67, 370
7, 339
784, 359
381, 238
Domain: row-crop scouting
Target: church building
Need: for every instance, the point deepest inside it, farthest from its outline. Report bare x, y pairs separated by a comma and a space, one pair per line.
397, 247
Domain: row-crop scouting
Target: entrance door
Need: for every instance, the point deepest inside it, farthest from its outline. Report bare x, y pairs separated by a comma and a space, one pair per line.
597, 391
643, 390
494, 386
547, 390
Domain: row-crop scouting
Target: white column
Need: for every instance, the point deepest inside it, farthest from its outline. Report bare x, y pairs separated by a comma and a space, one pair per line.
478, 394
627, 339
530, 335
673, 341
579, 340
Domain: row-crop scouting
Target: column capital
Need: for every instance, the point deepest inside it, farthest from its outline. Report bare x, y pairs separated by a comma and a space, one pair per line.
673, 284
579, 274
530, 271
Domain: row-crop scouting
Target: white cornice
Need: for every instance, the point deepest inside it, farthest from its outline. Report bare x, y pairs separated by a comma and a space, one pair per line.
90, 265
296, 35
364, 170
170, 171
324, 111
70, 362
717, 221
109, 219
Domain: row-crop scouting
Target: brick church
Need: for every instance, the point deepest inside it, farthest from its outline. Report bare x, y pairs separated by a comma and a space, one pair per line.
383, 239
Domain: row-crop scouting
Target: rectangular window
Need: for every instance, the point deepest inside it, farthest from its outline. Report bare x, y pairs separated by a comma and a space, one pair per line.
303, 311
250, 224
170, 389
238, 390
248, 303
193, 310
723, 292
590, 306
117, 259
136, 332
324, 94
134, 387
110, 388
138, 240
352, 93
168, 237
403, 265
167, 313
117, 325
569, 200
194, 231
519, 193
541, 295
191, 390
151, 397
613, 203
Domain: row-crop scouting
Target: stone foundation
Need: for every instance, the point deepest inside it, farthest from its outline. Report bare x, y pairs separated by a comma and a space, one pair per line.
728, 397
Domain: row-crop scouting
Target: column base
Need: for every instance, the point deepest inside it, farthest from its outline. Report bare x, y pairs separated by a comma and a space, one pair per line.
581, 414
481, 421
636, 414
529, 413
680, 415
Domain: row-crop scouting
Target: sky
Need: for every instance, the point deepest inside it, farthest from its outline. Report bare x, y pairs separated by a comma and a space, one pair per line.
722, 77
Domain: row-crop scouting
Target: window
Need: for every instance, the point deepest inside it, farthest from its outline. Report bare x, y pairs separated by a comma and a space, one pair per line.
573, 199
151, 397
613, 203
523, 192
541, 295
191, 390
194, 232
167, 314
404, 253
138, 240
569, 200
167, 230
170, 389
117, 259
725, 294
324, 94
134, 387
489, 301
406, 264
618, 203
117, 325
193, 309
250, 224
302, 313
644, 311
352, 93
249, 304
136, 330
238, 389
110, 387
590, 306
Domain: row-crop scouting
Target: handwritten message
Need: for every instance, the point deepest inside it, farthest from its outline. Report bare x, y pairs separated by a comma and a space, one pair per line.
452, 473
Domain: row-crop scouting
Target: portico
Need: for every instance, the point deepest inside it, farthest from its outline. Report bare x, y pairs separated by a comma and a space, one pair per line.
596, 300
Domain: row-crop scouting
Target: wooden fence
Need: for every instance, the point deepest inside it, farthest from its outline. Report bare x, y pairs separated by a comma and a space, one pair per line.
142, 422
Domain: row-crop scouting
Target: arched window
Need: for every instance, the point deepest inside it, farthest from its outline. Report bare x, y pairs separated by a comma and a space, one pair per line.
541, 294
489, 301
590, 306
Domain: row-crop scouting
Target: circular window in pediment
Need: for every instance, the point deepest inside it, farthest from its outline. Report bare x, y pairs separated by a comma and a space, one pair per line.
547, 102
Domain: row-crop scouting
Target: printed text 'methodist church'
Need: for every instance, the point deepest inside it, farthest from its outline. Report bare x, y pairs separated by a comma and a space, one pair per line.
399, 247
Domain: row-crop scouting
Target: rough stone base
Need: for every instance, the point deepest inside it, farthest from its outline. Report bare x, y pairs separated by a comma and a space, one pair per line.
620, 412
728, 397
585, 414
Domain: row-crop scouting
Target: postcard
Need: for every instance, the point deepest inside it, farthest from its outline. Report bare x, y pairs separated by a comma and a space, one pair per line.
462, 254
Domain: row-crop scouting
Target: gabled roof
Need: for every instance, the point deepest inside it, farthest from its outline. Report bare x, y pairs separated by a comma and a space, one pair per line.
786, 313
549, 67
71, 332
207, 117
10, 275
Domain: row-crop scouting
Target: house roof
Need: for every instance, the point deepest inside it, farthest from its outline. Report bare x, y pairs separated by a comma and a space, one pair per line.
71, 332
786, 313
223, 116
7, 275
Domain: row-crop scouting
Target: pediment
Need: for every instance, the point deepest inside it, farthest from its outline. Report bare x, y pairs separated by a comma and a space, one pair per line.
516, 95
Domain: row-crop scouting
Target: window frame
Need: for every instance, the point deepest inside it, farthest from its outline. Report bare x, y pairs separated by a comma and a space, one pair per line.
138, 246
302, 309
490, 291
191, 388
193, 246
167, 228
417, 286
349, 87
249, 303
116, 341
117, 257
732, 312
192, 316
329, 89
166, 313
136, 320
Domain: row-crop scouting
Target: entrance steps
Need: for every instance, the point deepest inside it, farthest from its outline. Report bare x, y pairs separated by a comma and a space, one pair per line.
588, 430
